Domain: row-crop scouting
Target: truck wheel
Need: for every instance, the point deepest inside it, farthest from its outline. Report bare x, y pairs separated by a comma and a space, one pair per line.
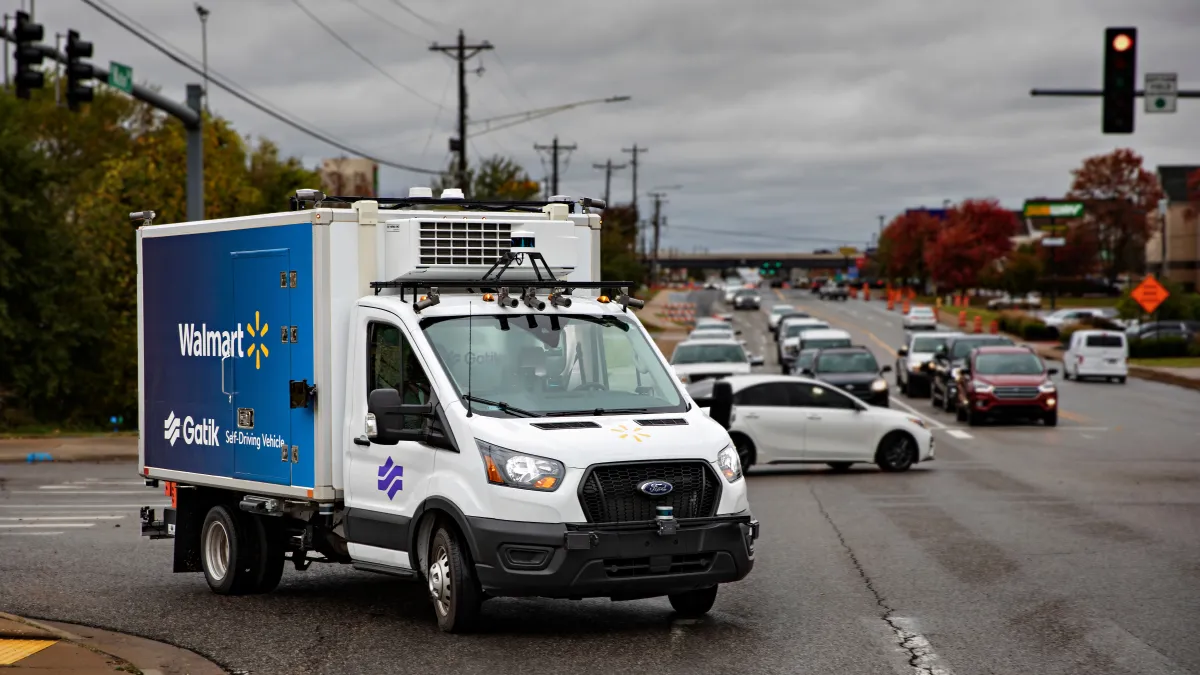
452, 587
694, 603
268, 558
225, 553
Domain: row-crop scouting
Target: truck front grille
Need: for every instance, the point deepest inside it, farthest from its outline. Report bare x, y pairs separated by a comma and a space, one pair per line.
610, 493
457, 243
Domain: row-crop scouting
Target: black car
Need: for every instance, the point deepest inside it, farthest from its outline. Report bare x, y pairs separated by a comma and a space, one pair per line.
948, 359
853, 369
747, 298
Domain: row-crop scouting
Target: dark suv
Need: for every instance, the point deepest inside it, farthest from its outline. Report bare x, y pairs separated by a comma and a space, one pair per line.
948, 359
853, 369
1006, 382
747, 298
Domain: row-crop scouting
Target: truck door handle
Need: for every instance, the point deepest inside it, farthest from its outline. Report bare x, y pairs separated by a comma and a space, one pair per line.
223, 359
362, 440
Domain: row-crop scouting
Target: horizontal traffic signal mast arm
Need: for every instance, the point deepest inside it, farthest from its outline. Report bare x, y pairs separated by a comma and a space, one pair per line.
1138, 93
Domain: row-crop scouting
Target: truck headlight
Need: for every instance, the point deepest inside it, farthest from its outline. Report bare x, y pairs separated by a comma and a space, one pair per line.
879, 385
519, 470
730, 464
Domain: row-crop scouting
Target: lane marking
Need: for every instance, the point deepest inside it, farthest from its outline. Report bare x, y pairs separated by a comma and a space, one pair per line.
6, 526
1089, 437
936, 424
61, 487
959, 434
922, 656
61, 517
29, 534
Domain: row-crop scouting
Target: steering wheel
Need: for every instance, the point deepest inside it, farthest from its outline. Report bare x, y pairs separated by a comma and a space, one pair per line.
589, 386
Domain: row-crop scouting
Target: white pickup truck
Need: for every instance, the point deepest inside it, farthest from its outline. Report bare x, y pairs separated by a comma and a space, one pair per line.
431, 388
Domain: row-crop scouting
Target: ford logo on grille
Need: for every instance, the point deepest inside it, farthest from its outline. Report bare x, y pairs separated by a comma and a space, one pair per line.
655, 488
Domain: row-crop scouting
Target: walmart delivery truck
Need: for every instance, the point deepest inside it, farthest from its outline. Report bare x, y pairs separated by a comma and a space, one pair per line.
431, 388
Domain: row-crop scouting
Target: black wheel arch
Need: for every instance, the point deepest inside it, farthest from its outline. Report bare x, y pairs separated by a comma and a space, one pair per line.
735, 435
428, 514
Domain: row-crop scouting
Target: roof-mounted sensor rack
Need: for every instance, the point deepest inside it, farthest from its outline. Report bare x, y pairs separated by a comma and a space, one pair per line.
318, 198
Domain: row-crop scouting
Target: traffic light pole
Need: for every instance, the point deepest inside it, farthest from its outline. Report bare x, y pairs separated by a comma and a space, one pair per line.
1097, 93
188, 113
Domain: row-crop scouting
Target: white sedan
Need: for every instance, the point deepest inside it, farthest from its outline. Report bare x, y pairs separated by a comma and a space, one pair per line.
920, 318
781, 419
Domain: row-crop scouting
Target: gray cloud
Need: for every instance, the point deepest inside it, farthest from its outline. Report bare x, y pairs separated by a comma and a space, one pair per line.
791, 118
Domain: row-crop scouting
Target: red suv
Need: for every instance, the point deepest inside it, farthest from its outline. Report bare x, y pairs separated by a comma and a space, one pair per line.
1006, 381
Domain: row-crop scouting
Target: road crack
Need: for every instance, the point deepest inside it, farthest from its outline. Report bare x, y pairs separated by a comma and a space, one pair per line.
921, 656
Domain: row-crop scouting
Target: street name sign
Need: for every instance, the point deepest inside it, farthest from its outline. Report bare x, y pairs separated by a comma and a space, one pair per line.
120, 76
1054, 241
1162, 92
1149, 294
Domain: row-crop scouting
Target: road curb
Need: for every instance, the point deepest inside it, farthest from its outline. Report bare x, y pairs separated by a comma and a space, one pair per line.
1140, 372
148, 657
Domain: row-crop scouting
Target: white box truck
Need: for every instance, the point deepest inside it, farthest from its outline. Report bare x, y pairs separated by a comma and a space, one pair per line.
432, 388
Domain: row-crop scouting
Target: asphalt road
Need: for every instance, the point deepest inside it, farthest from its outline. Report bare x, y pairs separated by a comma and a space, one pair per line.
1020, 549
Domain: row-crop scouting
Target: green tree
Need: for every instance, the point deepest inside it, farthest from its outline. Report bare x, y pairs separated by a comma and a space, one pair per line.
495, 178
619, 259
1022, 271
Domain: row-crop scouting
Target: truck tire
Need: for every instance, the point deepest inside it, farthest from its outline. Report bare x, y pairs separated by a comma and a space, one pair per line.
226, 551
268, 555
694, 603
452, 587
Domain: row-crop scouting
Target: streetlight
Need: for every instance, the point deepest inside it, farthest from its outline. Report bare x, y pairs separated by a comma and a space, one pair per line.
511, 119
204, 48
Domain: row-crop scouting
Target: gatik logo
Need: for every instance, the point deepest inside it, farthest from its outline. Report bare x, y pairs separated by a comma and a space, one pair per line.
203, 432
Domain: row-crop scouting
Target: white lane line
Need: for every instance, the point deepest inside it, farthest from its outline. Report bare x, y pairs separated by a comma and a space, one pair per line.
7, 526
97, 481
67, 506
29, 534
924, 658
24, 518
936, 424
962, 435
61, 487
87, 492
1089, 437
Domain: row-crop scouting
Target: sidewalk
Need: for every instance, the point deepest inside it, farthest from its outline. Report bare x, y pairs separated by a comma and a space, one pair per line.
69, 449
50, 648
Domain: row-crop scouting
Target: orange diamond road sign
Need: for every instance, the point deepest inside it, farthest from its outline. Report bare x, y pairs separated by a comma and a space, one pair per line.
1149, 294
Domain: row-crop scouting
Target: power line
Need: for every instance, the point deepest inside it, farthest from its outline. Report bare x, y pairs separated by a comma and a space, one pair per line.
345, 43
386, 20
427, 22
217, 79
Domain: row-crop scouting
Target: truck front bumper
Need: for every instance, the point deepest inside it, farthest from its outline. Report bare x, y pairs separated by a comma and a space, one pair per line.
622, 562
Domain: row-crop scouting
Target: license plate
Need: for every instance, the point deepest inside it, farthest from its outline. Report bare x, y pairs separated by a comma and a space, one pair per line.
1110, 360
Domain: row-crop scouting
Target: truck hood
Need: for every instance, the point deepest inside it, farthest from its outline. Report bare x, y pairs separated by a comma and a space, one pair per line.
721, 367
618, 438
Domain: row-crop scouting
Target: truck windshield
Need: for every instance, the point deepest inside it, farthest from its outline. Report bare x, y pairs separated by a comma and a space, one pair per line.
548, 364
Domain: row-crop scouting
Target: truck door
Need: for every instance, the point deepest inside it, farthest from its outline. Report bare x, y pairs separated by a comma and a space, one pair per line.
262, 368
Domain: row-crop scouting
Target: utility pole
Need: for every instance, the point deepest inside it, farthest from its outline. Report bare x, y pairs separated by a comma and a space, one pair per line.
608, 169
461, 52
657, 221
634, 163
555, 148
204, 48
5, 54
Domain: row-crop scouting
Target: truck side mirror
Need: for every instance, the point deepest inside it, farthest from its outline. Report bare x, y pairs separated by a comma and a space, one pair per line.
388, 411
721, 408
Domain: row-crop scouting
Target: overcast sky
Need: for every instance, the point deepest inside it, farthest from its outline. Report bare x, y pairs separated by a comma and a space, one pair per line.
790, 124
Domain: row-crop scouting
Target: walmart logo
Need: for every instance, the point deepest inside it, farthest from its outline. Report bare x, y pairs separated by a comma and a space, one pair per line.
635, 433
258, 350
172, 428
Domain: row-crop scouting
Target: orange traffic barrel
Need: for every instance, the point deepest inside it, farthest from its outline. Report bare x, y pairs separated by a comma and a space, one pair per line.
994, 327
962, 319
978, 324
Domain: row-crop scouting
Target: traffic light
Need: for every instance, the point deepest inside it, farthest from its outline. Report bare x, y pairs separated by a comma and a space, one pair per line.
78, 72
27, 35
1120, 73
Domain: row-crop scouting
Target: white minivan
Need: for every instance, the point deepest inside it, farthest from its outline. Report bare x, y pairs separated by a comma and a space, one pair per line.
1097, 353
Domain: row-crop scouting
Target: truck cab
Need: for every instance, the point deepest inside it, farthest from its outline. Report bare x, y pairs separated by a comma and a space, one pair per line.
475, 413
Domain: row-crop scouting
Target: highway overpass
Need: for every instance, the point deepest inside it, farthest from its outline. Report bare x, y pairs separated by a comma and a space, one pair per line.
808, 261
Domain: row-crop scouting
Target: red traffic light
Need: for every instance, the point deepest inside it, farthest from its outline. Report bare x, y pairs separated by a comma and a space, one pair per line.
1122, 42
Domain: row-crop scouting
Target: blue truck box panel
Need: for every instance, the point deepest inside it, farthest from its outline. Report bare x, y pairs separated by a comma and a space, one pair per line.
219, 315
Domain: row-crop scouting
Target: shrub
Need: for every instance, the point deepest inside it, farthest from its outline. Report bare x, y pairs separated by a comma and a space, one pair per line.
1163, 348
1035, 331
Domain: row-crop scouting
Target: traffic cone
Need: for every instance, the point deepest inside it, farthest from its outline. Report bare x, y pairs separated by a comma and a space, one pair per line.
962, 319
978, 323
891, 302
905, 307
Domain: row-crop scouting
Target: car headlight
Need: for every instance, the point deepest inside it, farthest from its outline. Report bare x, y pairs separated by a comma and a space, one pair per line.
879, 385
917, 421
519, 470
982, 388
1047, 388
730, 464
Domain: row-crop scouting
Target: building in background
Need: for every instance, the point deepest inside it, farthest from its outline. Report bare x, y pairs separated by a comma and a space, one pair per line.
350, 176
1175, 229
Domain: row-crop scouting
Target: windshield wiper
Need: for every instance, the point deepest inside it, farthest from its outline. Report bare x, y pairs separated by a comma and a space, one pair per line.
503, 407
598, 412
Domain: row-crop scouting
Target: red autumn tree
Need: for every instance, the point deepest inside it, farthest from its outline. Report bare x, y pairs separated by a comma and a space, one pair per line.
1118, 195
903, 243
978, 233
1079, 257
